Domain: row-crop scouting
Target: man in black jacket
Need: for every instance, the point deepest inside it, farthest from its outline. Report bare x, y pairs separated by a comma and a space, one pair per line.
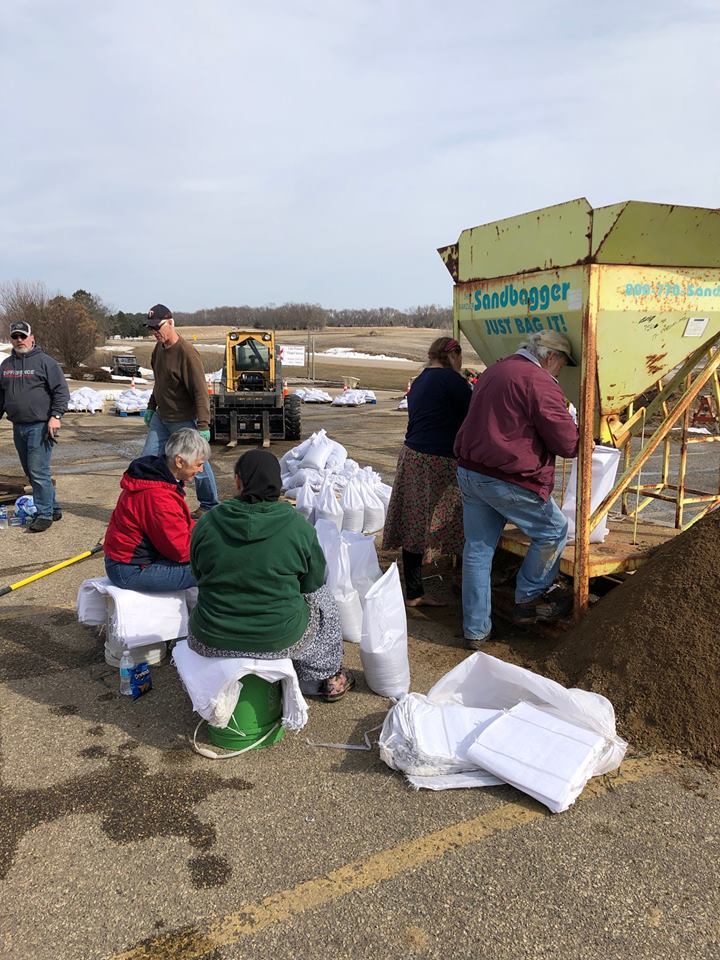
34, 394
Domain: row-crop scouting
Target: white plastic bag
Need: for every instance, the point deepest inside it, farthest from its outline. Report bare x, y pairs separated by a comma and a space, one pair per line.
353, 508
384, 492
337, 456
339, 580
305, 502
327, 506
316, 456
605, 462
364, 567
383, 647
374, 516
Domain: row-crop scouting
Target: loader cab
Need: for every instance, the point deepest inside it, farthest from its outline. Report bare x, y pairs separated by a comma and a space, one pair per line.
250, 361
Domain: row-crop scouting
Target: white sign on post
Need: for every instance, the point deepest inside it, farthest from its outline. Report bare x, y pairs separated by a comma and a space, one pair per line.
292, 355
695, 327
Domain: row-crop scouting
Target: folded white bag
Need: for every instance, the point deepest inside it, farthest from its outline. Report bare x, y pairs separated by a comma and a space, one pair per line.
140, 618
383, 647
540, 754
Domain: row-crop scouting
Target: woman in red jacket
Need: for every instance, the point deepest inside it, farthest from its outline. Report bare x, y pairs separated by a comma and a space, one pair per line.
147, 544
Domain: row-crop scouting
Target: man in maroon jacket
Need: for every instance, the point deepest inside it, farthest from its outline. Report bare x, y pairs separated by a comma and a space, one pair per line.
516, 425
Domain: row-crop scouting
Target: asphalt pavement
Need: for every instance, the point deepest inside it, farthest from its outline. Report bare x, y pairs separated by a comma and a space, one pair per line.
116, 840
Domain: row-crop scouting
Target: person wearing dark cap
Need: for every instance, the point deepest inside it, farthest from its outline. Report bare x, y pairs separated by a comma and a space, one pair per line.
518, 422
260, 572
179, 398
34, 394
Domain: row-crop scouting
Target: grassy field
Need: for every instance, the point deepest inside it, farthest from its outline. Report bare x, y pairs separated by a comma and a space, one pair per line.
409, 342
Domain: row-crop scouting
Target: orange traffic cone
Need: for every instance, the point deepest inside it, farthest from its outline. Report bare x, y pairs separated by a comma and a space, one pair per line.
286, 390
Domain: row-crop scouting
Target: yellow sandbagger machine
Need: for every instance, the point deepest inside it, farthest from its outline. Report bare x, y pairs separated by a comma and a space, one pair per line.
636, 288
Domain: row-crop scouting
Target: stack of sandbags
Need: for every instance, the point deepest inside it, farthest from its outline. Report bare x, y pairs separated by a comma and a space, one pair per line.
133, 400
319, 471
313, 395
86, 400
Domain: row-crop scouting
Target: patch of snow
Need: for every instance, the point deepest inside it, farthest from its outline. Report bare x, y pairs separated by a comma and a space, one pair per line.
345, 353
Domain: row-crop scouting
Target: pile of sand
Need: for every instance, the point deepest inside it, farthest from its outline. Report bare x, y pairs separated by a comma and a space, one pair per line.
652, 646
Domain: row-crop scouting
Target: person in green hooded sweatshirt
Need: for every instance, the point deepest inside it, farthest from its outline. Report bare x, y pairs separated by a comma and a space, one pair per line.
260, 572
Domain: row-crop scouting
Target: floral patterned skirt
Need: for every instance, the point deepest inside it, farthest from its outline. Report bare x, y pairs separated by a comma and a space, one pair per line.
425, 511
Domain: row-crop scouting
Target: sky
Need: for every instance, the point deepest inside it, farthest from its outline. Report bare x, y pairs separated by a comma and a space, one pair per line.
212, 152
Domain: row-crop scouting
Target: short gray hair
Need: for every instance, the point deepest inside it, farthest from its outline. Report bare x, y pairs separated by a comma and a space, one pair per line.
188, 445
538, 349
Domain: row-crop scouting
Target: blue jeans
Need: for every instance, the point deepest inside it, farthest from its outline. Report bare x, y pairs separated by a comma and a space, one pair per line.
489, 504
35, 450
158, 433
163, 576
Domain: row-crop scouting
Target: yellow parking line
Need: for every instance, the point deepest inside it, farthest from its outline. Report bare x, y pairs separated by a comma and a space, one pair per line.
196, 940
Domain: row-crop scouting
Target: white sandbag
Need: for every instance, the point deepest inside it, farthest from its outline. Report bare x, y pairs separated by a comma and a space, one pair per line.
384, 492
327, 506
315, 478
297, 453
305, 502
383, 647
353, 508
364, 567
337, 457
605, 462
374, 515
339, 580
316, 455
350, 467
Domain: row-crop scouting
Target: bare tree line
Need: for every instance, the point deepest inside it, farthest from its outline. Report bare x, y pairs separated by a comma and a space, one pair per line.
69, 327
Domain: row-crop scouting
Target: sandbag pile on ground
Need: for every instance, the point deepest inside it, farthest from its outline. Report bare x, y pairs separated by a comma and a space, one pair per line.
354, 398
318, 471
86, 400
133, 400
487, 722
313, 395
651, 645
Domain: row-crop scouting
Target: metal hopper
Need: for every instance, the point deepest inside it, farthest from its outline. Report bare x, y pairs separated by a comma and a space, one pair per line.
636, 288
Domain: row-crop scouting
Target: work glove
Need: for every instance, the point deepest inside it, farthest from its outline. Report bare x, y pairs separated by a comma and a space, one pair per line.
205, 434
148, 415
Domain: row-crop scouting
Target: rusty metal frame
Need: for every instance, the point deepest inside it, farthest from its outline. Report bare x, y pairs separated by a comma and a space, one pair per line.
680, 411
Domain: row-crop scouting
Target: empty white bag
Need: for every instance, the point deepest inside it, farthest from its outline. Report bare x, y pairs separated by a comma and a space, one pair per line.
605, 462
364, 567
383, 647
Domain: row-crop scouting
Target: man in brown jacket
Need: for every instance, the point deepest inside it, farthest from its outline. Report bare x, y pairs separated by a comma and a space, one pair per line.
179, 398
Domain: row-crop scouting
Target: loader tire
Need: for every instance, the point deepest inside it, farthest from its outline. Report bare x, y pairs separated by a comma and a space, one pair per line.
292, 418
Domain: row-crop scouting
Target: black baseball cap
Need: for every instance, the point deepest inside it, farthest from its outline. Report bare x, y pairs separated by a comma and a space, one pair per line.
157, 315
20, 326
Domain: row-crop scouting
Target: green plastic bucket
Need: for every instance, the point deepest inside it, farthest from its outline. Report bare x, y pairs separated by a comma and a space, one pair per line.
258, 715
